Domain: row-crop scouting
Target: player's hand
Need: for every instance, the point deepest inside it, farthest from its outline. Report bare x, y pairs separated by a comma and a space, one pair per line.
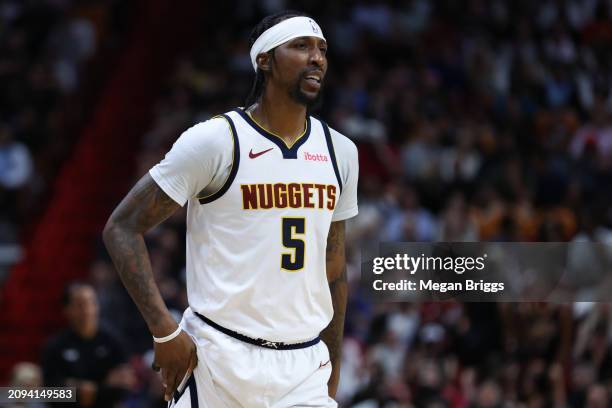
175, 358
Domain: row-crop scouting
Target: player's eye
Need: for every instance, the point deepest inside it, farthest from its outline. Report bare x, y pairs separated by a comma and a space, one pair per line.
323, 50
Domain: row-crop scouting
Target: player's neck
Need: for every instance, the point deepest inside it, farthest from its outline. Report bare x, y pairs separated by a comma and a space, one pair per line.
280, 115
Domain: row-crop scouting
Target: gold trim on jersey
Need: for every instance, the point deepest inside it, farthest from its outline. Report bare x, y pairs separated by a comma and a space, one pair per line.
280, 137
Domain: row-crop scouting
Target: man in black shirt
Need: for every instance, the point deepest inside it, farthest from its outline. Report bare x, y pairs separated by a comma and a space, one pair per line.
86, 356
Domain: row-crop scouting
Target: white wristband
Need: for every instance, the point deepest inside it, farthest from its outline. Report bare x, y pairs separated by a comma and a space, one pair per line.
168, 337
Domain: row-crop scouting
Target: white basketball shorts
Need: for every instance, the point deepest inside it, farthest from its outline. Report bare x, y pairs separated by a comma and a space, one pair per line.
231, 373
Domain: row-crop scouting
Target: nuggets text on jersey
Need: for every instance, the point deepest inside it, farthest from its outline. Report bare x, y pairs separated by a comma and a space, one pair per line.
292, 195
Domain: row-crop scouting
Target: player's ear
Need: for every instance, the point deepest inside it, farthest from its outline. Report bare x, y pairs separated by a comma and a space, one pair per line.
264, 61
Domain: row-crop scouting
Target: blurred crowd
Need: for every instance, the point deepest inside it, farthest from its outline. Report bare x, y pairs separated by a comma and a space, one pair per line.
475, 120
45, 48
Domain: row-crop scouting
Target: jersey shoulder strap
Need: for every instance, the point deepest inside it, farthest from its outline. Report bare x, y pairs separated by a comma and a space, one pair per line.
332, 153
235, 163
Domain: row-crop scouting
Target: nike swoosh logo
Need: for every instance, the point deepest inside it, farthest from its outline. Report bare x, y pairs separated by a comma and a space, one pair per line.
321, 365
254, 155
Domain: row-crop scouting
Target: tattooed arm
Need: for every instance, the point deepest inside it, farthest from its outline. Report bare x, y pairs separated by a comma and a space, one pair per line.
144, 207
336, 276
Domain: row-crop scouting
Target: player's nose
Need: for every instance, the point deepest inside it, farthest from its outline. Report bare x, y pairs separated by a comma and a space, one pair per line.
317, 57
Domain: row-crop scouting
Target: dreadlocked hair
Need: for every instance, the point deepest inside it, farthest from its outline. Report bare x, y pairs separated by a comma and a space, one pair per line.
263, 25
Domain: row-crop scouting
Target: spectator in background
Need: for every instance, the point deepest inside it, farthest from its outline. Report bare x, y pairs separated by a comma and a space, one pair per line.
85, 355
15, 161
411, 221
15, 171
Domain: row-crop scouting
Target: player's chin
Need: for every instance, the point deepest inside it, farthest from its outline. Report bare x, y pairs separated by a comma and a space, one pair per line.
310, 97
307, 96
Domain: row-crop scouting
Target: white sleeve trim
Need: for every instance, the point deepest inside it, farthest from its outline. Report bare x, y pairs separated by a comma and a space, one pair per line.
350, 213
197, 158
166, 187
348, 167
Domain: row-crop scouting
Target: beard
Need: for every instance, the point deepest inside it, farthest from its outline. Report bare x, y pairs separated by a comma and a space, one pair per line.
310, 102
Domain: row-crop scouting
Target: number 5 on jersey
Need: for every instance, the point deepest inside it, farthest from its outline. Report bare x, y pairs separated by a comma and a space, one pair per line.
291, 227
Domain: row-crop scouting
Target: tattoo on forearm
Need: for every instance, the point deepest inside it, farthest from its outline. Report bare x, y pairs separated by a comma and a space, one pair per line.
338, 286
332, 335
145, 206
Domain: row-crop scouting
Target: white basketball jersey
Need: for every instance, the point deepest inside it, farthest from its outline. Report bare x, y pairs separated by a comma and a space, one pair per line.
256, 245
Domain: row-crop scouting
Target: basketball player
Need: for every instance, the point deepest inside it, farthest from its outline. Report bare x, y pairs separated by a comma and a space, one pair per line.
268, 188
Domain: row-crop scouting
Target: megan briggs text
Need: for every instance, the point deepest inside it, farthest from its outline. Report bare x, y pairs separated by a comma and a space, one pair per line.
468, 285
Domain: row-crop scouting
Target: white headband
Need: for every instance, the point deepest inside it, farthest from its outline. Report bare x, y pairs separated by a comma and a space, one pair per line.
282, 32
